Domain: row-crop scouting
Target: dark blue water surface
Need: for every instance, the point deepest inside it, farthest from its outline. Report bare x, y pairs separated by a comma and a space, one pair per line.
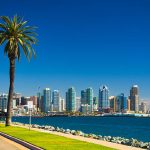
129, 127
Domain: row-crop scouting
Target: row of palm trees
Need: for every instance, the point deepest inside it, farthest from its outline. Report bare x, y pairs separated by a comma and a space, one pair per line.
16, 36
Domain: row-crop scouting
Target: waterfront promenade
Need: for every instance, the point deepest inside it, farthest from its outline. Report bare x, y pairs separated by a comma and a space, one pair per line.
6, 144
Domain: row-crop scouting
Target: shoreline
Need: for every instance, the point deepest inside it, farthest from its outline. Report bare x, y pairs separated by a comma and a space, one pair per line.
85, 139
112, 115
79, 135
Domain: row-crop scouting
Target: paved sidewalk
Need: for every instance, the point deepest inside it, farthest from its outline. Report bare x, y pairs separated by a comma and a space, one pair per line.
6, 144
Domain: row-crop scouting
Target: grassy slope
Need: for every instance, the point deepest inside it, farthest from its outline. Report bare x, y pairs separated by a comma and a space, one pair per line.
49, 141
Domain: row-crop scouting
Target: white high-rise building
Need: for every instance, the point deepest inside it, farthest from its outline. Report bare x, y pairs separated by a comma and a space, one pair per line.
78, 104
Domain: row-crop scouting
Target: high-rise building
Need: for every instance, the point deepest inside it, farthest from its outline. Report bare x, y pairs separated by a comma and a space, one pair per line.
143, 107
63, 107
56, 101
34, 99
71, 100
24, 100
128, 104
3, 102
95, 103
83, 97
78, 104
42, 103
121, 103
38, 101
104, 104
89, 97
112, 100
134, 98
46, 100
17, 99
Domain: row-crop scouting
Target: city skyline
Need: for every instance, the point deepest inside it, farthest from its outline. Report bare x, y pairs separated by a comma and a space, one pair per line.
51, 101
79, 93
83, 44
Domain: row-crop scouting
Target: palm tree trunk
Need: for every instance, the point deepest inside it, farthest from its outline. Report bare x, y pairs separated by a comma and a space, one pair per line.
11, 90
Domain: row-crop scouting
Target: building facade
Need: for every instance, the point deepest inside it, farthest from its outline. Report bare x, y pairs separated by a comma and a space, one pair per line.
3, 102
104, 104
56, 101
71, 100
78, 104
112, 100
89, 97
46, 100
121, 103
143, 107
134, 98
95, 103
83, 97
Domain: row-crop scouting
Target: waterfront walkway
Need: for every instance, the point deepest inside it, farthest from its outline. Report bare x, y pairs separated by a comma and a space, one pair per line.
99, 142
6, 144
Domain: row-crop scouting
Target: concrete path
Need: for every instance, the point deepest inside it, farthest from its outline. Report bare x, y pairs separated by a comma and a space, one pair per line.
6, 144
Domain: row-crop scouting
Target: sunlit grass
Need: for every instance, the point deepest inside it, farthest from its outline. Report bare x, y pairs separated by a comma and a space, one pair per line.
49, 141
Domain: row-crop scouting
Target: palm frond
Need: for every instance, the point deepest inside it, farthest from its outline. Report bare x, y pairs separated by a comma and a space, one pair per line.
17, 36
6, 20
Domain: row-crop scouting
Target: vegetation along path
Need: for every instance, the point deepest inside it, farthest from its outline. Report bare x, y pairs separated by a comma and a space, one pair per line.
50, 141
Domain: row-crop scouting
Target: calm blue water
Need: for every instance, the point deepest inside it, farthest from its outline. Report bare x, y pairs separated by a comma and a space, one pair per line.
129, 127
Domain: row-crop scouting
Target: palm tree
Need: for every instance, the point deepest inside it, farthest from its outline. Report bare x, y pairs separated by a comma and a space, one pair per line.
16, 36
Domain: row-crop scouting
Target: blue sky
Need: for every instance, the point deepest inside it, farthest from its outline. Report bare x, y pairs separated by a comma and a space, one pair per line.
83, 43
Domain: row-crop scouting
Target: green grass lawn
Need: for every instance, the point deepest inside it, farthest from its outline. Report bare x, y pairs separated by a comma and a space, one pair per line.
49, 141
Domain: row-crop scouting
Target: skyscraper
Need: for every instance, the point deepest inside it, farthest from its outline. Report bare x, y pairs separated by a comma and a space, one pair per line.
83, 97
143, 107
128, 104
63, 105
46, 99
56, 100
89, 97
95, 103
104, 104
71, 100
38, 101
78, 104
121, 103
112, 100
134, 98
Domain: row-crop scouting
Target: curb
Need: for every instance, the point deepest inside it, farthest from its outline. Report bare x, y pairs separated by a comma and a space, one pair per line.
23, 143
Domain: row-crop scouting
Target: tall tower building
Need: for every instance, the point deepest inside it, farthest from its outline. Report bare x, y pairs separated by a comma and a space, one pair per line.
103, 99
83, 97
134, 98
89, 97
56, 101
112, 100
128, 104
46, 100
95, 103
121, 103
71, 100
38, 101
78, 104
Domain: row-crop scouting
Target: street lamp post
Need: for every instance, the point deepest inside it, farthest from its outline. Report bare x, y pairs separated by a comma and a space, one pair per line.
30, 106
